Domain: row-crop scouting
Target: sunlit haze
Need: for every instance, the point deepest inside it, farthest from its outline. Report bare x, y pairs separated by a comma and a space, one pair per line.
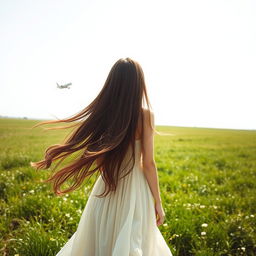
198, 57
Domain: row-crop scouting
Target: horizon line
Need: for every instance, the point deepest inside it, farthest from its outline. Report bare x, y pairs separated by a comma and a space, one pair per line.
166, 125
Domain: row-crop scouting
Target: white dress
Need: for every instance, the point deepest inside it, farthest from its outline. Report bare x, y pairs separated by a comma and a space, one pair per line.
121, 224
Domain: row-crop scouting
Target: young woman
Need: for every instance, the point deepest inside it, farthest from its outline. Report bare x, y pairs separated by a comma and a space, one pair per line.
115, 138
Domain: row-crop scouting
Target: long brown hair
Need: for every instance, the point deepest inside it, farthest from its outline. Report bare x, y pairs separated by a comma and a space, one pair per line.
105, 130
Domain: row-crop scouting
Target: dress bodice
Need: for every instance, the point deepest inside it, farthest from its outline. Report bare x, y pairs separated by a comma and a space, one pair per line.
138, 149
137, 152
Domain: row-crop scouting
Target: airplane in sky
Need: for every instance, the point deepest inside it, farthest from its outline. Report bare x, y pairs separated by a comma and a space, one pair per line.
64, 86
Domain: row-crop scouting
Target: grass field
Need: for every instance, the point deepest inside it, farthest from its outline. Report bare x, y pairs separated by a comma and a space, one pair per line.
207, 179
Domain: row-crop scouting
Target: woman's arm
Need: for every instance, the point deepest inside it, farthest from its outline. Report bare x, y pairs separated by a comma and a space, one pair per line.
149, 165
148, 161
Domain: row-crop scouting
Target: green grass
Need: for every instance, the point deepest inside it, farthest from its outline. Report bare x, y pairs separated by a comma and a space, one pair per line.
207, 179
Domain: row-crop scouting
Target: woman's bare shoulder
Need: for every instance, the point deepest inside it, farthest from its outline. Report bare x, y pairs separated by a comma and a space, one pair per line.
148, 116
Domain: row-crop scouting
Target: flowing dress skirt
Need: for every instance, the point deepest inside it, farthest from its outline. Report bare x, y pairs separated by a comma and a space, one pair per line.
122, 223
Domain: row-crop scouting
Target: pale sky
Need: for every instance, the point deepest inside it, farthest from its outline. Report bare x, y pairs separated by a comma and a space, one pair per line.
198, 57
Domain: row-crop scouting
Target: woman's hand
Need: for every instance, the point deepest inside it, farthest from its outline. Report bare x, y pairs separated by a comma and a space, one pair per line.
160, 215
